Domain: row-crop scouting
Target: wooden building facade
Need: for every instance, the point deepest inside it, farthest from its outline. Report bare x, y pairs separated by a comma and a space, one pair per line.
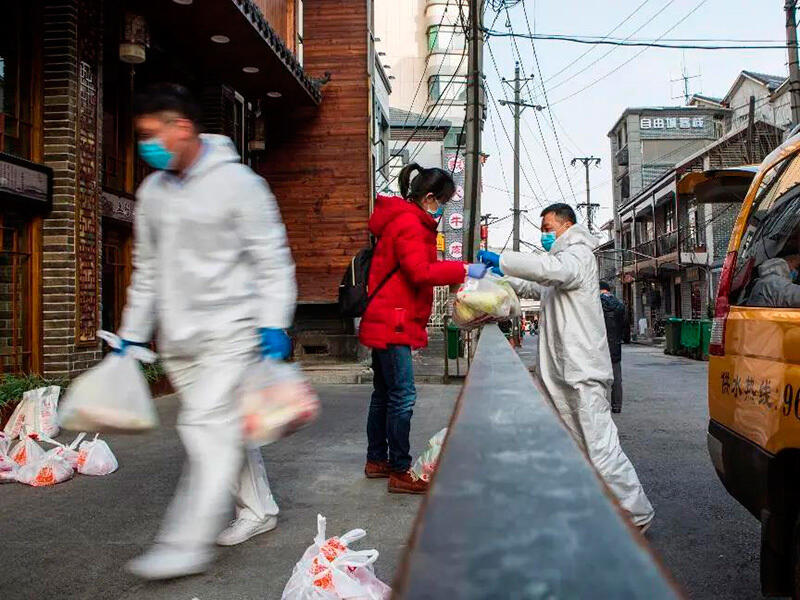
69, 170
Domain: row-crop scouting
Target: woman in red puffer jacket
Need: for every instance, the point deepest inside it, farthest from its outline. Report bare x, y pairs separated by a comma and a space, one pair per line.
396, 318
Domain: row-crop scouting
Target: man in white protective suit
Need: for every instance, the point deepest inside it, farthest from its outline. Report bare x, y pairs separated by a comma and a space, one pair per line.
213, 272
574, 365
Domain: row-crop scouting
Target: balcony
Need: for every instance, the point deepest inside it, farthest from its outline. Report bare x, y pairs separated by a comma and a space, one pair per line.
667, 243
622, 156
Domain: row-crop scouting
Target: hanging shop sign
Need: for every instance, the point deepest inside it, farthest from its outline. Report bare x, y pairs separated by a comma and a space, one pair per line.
119, 208
456, 221
456, 249
24, 182
440, 242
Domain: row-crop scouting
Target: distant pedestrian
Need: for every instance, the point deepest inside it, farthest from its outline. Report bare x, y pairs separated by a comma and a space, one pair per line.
614, 313
396, 319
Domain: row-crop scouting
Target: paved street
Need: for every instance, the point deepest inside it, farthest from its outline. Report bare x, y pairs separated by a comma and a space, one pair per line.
71, 540
705, 538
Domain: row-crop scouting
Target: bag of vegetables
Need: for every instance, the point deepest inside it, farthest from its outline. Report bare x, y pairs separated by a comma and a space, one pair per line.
481, 301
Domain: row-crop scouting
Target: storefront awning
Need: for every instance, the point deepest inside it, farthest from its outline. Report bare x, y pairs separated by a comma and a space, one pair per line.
718, 185
271, 67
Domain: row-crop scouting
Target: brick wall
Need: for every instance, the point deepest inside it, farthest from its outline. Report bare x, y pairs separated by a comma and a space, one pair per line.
61, 28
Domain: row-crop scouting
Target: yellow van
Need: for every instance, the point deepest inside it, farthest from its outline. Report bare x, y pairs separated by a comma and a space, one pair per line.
754, 367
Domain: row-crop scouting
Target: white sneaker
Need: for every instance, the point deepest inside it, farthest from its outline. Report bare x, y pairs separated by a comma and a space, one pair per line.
241, 530
166, 562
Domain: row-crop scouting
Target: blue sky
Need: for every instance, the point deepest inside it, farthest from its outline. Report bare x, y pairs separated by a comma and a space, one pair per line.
582, 121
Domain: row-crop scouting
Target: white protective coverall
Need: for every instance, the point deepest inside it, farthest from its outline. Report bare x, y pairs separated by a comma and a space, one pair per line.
212, 266
574, 364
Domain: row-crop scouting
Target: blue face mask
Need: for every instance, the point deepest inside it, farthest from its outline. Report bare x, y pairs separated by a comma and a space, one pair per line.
155, 154
548, 239
437, 213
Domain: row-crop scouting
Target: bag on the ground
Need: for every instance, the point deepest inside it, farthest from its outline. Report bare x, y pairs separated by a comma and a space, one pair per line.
485, 300
27, 451
50, 470
5, 442
425, 466
67, 452
354, 297
330, 570
276, 400
113, 396
8, 469
37, 411
96, 458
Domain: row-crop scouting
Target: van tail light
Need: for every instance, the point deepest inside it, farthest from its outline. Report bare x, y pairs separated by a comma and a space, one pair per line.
722, 307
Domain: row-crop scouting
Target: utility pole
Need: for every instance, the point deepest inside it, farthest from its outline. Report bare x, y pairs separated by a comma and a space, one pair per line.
474, 125
587, 160
751, 115
518, 106
794, 69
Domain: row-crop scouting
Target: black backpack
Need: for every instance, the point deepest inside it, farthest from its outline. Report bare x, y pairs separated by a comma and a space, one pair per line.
353, 296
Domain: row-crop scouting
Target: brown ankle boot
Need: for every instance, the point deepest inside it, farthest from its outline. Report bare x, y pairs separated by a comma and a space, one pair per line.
376, 469
406, 483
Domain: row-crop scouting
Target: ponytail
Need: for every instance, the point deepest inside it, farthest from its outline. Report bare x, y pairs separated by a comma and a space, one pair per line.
428, 181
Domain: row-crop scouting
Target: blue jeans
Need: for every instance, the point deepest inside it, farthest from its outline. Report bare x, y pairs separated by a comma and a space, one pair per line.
389, 421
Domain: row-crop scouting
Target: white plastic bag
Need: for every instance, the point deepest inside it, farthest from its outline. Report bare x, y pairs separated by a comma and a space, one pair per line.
8, 469
67, 452
425, 466
276, 400
330, 570
5, 443
27, 450
48, 471
96, 458
113, 396
480, 301
37, 411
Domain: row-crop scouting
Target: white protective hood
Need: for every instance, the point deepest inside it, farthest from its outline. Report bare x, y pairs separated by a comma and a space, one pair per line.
574, 361
211, 257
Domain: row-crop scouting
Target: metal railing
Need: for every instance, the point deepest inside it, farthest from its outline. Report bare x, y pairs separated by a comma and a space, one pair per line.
515, 509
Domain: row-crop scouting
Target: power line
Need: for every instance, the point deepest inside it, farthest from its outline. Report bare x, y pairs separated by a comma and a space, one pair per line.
635, 56
620, 24
635, 44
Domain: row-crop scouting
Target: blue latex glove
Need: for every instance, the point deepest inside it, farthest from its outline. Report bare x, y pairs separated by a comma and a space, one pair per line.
274, 343
491, 259
498, 272
477, 270
123, 347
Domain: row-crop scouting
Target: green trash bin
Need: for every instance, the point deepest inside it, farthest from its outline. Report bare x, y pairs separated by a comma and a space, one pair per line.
453, 338
690, 337
705, 338
673, 335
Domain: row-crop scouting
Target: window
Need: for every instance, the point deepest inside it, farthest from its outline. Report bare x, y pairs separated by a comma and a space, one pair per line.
300, 36
433, 35
456, 138
16, 118
451, 89
669, 217
15, 284
773, 225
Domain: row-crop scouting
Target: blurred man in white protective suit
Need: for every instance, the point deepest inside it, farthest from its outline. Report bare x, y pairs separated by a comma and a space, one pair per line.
574, 365
214, 273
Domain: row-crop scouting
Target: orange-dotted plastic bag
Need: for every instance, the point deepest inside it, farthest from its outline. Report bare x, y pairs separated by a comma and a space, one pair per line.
425, 466
96, 458
276, 400
48, 471
27, 451
8, 469
67, 452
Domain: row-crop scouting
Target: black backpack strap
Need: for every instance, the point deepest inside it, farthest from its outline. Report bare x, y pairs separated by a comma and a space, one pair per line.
382, 283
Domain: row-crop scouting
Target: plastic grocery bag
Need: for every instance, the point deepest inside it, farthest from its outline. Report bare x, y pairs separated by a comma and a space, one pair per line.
480, 301
425, 466
48, 471
329, 570
27, 450
5, 443
113, 396
276, 400
67, 452
37, 411
96, 458
8, 469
